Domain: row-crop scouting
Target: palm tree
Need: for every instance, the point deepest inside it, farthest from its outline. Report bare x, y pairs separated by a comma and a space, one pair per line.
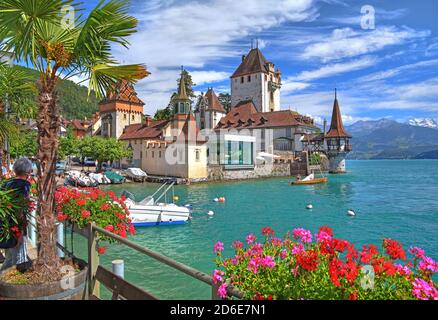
59, 48
16, 91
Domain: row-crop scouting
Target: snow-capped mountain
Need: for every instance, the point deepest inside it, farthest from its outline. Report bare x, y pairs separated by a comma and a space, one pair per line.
424, 122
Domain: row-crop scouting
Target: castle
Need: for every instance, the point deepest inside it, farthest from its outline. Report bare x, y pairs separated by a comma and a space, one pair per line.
254, 139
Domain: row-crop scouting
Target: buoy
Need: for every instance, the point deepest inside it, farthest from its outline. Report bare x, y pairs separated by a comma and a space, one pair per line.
175, 198
210, 213
351, 213
221, 199
309, 206
216, 199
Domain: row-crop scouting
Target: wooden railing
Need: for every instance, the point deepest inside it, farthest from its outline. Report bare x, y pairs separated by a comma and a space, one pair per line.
122, 289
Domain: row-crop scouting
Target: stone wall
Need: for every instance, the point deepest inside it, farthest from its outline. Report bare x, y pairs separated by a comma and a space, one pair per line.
217, 172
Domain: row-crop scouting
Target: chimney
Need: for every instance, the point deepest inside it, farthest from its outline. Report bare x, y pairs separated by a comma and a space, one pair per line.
243, 57
148, 121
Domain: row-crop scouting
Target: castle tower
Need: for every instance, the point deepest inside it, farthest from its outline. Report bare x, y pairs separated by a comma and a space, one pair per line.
181, 105
119, 109
209, 110
256, 79
338, 141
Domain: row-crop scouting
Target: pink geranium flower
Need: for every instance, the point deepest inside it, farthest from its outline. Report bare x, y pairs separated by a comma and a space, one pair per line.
423, 290
218, 247
222, 291
416, 251
217, 276
250, 238
303, 234
428, 264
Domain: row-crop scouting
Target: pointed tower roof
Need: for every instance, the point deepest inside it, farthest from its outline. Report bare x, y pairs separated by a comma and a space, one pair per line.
123, 91
182, 93
213, 101
254, 62
336, 127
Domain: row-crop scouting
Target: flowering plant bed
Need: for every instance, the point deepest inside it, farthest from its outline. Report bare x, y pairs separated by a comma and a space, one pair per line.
295, 267
83, 206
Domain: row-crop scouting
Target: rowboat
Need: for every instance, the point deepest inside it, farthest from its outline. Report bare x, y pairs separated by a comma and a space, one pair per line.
310, 179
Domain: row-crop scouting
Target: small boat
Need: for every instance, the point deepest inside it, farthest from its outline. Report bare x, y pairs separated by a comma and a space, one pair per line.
151, 212
350, 212
136, 174
310, 179
114, 177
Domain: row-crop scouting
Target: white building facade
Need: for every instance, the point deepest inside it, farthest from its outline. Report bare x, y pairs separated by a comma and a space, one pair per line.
256, 79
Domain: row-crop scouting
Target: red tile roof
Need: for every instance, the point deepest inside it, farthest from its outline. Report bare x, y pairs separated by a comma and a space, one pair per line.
123, 91
80, 124
254, 62
245, 115
213, 101
144, 131
336, 127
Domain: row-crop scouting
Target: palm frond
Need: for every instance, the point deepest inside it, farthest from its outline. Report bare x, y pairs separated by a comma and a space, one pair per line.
103, 76
21, 21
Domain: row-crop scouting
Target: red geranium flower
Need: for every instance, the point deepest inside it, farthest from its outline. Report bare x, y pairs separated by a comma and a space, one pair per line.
394, 249
81, 202
308, 260
85, 214
266, 231
101, 250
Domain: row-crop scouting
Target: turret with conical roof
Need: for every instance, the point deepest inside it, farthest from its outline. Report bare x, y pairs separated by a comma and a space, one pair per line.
182, 103
336, 126
338, 140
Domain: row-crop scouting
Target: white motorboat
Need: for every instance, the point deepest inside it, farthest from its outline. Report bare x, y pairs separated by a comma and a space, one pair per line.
136, 174
150, 212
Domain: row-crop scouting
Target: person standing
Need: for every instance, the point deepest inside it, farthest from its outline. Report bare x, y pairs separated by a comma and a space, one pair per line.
21, 186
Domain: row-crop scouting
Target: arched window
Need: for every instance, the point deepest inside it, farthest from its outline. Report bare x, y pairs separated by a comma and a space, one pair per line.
187, 107
181, 107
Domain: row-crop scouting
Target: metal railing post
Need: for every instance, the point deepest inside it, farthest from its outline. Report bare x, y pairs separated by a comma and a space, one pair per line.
118, 267
32, 231
60, 239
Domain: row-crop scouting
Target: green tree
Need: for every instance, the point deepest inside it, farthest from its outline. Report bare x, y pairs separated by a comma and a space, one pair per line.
38, 33
189, 88
225, 99
163, 114
68, 145
109, 149
24, 144
16, 100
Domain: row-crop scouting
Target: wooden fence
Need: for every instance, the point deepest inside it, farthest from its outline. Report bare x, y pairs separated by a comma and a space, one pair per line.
122, 289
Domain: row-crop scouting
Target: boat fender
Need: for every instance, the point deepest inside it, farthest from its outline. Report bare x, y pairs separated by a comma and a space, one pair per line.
309, 206
210, 213
351, 213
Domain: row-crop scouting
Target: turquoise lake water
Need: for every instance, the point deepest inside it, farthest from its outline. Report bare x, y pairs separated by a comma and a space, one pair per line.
393, 199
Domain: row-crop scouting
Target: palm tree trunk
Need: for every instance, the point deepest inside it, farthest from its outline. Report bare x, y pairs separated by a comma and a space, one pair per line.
48, 122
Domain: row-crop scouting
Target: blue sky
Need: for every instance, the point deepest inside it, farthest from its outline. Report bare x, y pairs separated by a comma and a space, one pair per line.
389, 71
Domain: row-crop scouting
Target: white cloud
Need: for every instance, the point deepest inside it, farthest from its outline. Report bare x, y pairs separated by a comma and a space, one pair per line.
202, 77
396, 71
194, 33
336, 69
346, 42
289, 86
